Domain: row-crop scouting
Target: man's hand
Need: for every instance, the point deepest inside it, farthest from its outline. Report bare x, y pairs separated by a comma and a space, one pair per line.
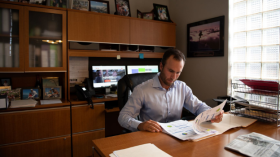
150, 125
218, 118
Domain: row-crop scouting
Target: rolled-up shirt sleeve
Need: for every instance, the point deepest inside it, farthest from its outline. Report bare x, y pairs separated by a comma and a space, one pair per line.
193, 104
131, 110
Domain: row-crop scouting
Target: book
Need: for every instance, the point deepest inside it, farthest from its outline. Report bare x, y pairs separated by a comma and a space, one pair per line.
16, 55
1, 54
23, 103
45, 55
144, 150
37, 54
5, 21
31, 56
8, 55
53, 55
58, 55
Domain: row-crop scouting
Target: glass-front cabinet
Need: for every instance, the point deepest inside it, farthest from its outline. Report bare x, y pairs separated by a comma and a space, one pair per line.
32, 39
46, 42
11, 41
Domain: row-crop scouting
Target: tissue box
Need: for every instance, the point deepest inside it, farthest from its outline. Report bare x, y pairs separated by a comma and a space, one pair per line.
4, 103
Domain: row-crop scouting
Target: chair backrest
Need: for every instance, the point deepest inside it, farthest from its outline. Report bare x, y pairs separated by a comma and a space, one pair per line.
128, 83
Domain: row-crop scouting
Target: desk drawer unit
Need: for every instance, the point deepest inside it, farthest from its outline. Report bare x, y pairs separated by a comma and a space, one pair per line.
24, 126
85, 118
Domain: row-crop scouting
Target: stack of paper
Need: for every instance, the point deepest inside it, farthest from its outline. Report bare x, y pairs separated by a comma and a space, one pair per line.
144, 150
51, 101
23, 103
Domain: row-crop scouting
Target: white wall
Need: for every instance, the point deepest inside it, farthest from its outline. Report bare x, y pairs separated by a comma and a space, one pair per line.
206, 76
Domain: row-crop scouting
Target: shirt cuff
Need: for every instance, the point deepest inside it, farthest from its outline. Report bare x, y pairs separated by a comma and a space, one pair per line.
135, 124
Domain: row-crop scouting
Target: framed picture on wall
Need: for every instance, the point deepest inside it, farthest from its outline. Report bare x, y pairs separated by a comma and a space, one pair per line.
206, 38
5, 82
122, 7
99, 6
161, 13
139, 14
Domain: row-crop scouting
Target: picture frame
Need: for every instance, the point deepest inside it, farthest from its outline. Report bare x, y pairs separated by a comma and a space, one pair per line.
161, 13
50, 81
206, 38
52, 92
5, 88
58, 3
139, 14
122, 7
148, 15
80, 5
30, 93
5, 82
99, 6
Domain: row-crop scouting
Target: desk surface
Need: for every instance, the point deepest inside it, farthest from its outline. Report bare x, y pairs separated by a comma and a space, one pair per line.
213, 146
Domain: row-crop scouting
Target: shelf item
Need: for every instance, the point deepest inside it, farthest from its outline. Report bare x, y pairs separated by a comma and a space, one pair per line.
263, 98
261, 85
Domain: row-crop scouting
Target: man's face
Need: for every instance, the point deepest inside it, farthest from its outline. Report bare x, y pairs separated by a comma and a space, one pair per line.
170, 71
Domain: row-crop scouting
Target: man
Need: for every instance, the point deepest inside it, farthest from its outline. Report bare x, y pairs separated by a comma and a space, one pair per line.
98, 76
162, 98
33, 93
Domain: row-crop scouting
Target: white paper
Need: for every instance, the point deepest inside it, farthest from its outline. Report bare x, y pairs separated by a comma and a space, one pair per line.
144, 150
112, 95
206, 116
52, 101
183, 130
23, 103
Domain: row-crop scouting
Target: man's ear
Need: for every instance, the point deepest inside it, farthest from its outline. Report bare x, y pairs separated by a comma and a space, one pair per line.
160, 66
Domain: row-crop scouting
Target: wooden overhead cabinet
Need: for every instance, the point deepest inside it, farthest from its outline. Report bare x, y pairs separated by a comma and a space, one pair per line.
97, 27
154, 33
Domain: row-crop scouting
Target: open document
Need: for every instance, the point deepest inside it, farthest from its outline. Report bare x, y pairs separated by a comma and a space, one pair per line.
256, 145
184, 130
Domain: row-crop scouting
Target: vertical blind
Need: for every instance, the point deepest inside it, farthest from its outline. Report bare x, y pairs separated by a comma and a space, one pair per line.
255, 37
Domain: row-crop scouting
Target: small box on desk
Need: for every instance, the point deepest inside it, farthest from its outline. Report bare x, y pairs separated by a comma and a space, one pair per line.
4, 102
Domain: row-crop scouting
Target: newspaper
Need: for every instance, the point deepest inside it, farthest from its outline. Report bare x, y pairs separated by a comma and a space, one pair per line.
256, 145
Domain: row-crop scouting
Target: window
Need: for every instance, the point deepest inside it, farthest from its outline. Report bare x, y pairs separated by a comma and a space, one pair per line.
254, 28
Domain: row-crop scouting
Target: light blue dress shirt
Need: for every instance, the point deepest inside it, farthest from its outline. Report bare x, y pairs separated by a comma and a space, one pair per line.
153, 102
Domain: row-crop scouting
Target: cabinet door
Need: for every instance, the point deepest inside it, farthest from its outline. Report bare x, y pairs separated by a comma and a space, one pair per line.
44, 148
154, 33
82, 143
45, 43
85, 118
97, 27
36, 124
11, 38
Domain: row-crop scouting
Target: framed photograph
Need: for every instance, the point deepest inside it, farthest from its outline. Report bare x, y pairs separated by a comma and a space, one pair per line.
139, 14
206, 38
122, 7
58, 3
99, 6
30, 93
50, 81
161, 13
148, 15
53, 92
80, 5
4, 88
5, 82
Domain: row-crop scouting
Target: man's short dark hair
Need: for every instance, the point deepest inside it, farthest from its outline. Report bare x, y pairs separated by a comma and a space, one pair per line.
177, 55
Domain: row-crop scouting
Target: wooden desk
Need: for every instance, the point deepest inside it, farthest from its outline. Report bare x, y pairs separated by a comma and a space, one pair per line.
213, 146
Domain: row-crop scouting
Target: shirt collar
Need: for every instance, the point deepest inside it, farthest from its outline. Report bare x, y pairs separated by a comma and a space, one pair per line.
156, 82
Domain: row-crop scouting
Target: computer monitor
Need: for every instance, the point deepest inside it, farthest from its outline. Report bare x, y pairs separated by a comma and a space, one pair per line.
134, 69
106, 76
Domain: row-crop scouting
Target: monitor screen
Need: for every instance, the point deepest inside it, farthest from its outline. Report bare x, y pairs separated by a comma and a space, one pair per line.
106, 76
133, 69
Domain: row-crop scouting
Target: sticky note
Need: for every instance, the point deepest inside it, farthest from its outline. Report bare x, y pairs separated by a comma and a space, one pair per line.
141, 55
118, 56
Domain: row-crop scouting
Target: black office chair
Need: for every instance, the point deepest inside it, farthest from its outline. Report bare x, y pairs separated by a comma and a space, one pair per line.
128, 83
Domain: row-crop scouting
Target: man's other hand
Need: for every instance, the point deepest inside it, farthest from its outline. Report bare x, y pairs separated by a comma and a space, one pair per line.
218, 118
150, 125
